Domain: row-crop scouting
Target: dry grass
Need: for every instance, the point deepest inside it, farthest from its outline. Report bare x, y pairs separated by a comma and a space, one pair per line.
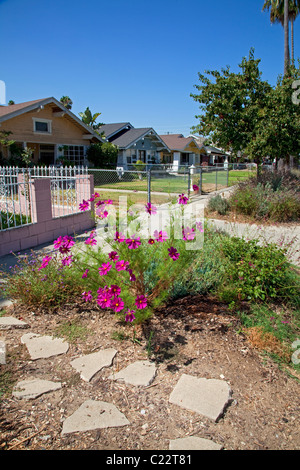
265, 341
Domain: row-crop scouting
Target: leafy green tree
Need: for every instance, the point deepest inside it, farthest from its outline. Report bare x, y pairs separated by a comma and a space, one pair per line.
278, 136
234, 106
102, 154
67, 102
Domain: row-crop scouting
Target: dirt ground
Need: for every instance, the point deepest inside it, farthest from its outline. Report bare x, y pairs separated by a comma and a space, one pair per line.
195, 336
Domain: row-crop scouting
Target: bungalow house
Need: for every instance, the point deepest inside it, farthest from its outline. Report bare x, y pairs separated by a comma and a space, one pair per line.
134, 143
49, 129
182, 150
215, 156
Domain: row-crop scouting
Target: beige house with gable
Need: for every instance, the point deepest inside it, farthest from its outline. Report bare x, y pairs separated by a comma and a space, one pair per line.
49, 129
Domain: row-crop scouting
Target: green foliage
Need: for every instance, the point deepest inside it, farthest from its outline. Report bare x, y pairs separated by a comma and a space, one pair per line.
241, 112
218, 204
90, 119
102, 154
258, 272
16, 219
139, 165
48, 288
274, 196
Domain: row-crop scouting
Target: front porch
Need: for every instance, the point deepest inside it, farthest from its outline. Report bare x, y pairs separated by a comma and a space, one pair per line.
51, 154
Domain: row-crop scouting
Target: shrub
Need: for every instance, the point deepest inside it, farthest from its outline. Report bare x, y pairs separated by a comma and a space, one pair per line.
218, 204
258, 272
48, 288
274, 196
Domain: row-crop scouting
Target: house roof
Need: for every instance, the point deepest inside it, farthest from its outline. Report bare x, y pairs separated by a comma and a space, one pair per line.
132, 135
211, 149
11, 111
179, 142
110, 130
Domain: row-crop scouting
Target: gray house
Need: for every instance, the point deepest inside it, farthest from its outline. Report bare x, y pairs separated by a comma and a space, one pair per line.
134, 144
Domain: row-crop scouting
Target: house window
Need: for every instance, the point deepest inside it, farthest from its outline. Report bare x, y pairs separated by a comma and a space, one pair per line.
42, 126
74, 154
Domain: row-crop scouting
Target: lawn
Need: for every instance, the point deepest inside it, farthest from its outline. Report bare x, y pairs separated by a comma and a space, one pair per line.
170, 184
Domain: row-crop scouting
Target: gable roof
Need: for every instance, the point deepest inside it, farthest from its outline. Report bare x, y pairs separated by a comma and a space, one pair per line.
14, 110
179, 142
132, 135
110, 130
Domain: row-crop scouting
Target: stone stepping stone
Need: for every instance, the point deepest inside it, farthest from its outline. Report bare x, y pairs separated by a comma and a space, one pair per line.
94, 415
11, 322
30, 389
193, 443
139, 373
208, 397
40, 347
90, 364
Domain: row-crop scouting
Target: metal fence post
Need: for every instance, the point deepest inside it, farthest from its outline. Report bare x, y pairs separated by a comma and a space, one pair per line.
200, 182
149, 185
216, 179
189, 181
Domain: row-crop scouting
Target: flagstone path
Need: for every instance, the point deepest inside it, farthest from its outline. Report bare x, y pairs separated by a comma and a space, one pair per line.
208, 398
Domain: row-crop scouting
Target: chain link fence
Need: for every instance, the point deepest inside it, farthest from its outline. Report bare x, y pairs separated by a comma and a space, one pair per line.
163, 183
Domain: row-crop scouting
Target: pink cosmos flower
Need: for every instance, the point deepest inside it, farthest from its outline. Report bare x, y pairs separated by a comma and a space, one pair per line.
130, 315
101, 213
115, 290
182, 199
99, 203
63, 244
132, 277
173, 253
119, 237
104, 300
91, 241
113, 255
199, 226
151, 241
85, 273
195, 187
84, 206
67, 261
160, 236
150, 208
188, 233
117, 304
141, 302
87, 296
45, 262
121, 265
105, 268
108, 201
133, 243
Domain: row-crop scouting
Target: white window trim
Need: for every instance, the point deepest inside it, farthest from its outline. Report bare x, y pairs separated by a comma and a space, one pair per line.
48, 121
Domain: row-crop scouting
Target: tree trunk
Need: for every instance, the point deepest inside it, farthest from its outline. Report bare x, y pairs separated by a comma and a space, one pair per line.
286, 37
292, 41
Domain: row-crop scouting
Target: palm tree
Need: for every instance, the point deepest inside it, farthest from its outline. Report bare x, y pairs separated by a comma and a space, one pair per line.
90, 119
66, 101
279, 9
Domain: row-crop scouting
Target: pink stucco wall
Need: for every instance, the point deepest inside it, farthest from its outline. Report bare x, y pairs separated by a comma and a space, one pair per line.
46, 228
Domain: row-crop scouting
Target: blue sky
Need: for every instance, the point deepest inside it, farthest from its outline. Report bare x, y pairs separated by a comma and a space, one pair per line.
132, 60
